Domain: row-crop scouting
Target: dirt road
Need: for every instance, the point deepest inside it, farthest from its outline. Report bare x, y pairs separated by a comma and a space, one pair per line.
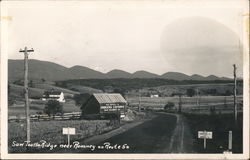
181, 139
166, 133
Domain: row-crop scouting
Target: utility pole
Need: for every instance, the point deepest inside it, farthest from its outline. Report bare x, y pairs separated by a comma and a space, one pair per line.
235, 92
26, 89
180, 103
197, 97
139, 107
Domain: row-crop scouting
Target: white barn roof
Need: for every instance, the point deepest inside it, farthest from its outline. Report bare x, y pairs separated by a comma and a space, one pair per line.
109, 98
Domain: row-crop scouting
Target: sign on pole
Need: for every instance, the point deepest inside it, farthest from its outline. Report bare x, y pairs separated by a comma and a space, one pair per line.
69, 131
205, 135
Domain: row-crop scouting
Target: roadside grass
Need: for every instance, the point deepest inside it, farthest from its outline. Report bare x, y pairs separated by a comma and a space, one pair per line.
51, 132
220, 125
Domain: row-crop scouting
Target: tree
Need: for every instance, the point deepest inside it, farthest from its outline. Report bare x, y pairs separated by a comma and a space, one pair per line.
228, 93
169, 105
31, 84
81, 98
190, 92
43, 80
53, 107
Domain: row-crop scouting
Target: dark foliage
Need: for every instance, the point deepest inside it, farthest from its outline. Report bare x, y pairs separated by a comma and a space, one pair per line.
169, 105
80, 99
190, 92
53, 107
128, 84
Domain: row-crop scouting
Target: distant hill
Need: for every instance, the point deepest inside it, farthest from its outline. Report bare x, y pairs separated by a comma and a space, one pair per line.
212, 77
197, 77
38, 70
54, 72
144, 74
118, 74
175, 76
80, 72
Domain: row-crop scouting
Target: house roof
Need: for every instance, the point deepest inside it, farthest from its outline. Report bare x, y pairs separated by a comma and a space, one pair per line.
109, 98
52, 92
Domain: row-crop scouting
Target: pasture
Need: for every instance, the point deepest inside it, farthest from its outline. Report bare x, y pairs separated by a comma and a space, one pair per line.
51, 131
189, 104
38, 106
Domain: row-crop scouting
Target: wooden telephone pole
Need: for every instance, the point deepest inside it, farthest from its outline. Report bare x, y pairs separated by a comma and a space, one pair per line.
180, 103
26, 89
139, 107
235, 92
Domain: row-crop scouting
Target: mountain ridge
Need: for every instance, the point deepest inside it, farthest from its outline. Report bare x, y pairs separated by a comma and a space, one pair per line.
55, 72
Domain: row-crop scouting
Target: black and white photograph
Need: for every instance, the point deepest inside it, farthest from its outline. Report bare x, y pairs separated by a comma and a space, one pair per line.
164, 79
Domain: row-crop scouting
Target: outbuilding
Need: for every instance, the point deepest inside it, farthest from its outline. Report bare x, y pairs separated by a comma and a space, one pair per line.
105, 104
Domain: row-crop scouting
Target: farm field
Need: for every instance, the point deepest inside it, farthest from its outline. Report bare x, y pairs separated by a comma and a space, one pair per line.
187, 102
38, 106
51, 131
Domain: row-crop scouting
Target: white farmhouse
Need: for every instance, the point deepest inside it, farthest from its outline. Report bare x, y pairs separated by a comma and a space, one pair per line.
154, 95
53, 95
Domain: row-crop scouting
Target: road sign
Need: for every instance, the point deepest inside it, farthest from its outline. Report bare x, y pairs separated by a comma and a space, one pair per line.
69, 131
205, 135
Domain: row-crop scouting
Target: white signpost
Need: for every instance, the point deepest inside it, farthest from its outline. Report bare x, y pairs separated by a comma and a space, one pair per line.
205, 135
69, 131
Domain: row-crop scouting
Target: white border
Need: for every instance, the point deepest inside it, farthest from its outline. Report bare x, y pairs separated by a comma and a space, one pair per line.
4, 137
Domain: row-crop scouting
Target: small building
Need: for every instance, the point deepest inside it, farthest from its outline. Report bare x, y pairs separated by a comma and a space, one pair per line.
154, 95
53, 95
105, 104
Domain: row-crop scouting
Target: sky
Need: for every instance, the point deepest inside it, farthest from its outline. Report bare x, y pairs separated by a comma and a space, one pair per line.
192, 37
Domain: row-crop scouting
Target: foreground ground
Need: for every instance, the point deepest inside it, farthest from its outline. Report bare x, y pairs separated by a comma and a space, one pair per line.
166, 133
162, 133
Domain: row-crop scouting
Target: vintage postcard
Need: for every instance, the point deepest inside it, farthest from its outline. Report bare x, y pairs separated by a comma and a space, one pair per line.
142, 79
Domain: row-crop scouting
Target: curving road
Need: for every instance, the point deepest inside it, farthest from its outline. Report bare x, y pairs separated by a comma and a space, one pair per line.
166, 133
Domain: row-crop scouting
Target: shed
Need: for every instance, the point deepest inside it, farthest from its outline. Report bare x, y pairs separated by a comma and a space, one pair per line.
105, 103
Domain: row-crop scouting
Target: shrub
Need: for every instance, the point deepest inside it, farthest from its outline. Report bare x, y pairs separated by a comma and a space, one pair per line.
53, 107
190, 92
80, 99
169, 105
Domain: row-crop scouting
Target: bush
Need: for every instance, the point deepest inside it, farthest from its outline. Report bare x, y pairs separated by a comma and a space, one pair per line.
169, 105
53, 107
80, 99
190, 92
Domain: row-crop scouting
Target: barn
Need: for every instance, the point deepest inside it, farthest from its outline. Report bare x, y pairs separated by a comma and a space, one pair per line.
105, 104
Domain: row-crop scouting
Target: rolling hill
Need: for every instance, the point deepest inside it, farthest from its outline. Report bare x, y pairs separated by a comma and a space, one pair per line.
175, 76
54, 72
80, 72
144, 74
118, 74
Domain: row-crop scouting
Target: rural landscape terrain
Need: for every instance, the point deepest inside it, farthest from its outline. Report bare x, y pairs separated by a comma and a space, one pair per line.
163, 112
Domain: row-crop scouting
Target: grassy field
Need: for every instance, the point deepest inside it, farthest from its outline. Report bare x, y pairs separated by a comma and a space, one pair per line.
51, 131
220, 125
38, 106
187, 102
